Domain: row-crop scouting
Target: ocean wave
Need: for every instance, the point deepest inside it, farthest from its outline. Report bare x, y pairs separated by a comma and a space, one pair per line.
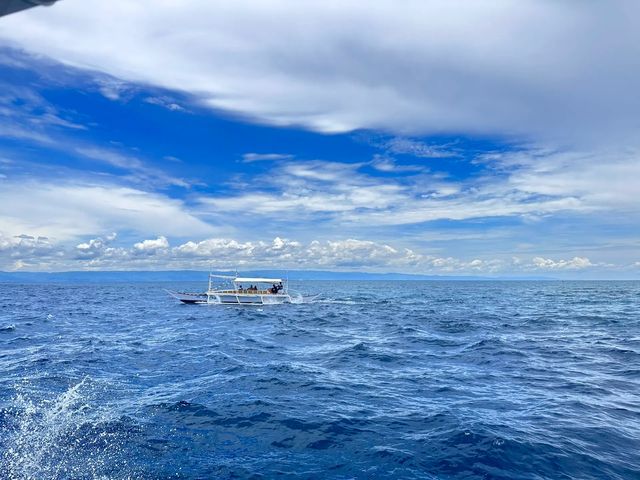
62, 437
493, 380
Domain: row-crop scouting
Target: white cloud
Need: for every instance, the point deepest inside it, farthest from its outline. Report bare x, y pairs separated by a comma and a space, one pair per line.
305, 188
26, 115
576, 263
409, 146
151, 246
500, 67
165, 102
64, 211
602, 179
389, 165
222, 251
350, 254
23, 243
100, 253
140, 172
535, 67
259, 157
529, 183
24, 251
349, 196
113, 89
95, 247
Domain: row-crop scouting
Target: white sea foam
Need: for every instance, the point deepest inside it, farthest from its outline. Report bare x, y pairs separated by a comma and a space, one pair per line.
55, 438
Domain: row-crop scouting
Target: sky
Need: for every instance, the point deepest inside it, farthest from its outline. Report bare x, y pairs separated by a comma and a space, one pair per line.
450, 137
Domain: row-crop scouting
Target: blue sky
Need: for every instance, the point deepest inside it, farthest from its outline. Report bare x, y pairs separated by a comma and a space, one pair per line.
424, 138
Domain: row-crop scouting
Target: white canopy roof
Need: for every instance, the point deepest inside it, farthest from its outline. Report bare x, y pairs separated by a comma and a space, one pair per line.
256, 280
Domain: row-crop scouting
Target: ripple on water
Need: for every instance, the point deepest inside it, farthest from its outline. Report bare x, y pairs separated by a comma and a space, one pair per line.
433, 380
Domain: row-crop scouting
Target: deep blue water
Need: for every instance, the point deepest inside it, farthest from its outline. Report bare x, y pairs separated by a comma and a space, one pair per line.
433, 380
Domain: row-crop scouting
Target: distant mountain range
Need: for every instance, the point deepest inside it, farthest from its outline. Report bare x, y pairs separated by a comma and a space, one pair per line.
201, 276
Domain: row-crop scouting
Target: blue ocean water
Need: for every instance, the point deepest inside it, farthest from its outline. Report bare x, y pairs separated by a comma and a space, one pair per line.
416, 380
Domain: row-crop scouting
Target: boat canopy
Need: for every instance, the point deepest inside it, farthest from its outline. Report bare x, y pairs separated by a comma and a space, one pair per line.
256, 280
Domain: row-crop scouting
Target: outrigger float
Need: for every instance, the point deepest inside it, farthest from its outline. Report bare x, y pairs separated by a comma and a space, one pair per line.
245, 291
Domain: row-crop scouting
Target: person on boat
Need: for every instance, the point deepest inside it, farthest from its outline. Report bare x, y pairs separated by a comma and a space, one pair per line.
239, 288
274, 289
279, 286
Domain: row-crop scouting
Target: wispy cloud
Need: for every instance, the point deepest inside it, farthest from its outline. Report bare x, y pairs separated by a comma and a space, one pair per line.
314, 186
26, 115
352, 196
167, 102
409, 146
261, 157
140, 171
113, 88
68, 210
387, 164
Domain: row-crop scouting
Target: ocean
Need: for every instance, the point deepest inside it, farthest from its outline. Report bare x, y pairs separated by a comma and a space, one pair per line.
399, 379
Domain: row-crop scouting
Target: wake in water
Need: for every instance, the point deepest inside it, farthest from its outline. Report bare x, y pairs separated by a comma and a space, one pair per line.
60, 437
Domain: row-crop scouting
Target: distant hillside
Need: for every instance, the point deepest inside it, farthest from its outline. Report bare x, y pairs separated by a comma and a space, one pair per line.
201, 276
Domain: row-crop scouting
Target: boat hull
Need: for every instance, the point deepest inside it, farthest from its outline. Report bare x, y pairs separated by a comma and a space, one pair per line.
231, 297
189, 298
248, 299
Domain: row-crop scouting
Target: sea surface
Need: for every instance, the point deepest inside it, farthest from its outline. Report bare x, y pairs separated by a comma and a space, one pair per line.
415, 380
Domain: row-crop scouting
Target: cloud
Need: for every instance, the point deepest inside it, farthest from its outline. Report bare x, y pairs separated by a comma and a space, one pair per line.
340, 253
529, 183
539, 68
502, 68
141, 172
259, 157
151, 246
349, 254
95, 247
599, 178
165, 102
311, 187
408, 146
68, 210
576, 263
389, 165
26, 115
20, 251
346, 195
114, 89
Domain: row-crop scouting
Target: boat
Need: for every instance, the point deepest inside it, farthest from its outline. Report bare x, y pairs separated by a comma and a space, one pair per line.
242, 291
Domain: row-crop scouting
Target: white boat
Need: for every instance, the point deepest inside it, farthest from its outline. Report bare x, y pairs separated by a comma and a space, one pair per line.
242, 291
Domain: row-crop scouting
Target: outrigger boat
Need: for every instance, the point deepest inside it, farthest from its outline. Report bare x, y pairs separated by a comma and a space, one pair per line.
245, 291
